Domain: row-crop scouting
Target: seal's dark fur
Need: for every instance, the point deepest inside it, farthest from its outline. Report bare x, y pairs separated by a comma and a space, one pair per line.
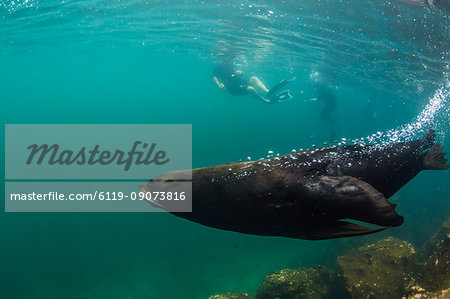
309, 194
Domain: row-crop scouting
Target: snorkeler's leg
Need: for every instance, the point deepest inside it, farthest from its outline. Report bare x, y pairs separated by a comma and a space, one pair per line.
253, 92
219, 84
255, 82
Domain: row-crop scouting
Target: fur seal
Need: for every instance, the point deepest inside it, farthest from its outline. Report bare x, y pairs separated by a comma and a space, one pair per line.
309, 194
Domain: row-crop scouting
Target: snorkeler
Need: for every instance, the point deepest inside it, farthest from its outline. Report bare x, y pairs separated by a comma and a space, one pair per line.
327, 97
227, 75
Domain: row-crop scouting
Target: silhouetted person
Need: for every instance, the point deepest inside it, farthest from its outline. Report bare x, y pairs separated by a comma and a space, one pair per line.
326, 96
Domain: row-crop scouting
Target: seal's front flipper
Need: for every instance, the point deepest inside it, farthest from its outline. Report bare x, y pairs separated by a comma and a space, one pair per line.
347, 197
340, 229
278, 86
435, 158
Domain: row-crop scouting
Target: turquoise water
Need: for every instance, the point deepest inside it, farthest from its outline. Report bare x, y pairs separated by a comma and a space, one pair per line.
151, 62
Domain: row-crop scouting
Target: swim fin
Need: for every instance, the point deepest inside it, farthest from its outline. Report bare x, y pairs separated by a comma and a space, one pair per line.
281, 97
278, 86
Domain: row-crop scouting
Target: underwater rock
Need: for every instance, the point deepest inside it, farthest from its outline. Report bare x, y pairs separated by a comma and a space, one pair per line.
417, 292
380, 270
231, 296
308, 283
430, 246
435, 273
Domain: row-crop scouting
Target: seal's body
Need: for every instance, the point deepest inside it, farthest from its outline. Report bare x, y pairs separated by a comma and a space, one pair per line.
307, 194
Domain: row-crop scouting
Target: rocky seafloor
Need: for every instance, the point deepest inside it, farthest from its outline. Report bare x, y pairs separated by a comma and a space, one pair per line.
390, 268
